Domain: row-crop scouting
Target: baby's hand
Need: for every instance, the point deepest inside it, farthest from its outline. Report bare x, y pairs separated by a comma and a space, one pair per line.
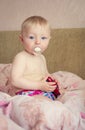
56, 91
49, 79
48, 86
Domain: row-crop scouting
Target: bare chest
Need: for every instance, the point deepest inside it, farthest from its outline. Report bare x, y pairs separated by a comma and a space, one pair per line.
35, 65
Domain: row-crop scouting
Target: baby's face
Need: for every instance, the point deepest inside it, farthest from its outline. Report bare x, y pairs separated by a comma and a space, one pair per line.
36, 39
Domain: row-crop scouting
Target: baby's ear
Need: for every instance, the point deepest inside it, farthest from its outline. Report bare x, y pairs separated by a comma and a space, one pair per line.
21, 38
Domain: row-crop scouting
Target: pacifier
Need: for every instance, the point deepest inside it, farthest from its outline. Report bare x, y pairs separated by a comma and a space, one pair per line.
37, 49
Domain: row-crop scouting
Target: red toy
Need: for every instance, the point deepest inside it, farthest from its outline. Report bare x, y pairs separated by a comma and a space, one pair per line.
56, 91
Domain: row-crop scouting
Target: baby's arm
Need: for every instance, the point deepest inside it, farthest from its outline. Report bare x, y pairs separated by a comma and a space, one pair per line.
17, 72
19, 81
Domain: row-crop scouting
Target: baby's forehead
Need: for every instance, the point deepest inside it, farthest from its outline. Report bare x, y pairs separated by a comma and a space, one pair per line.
39, 28
41, 25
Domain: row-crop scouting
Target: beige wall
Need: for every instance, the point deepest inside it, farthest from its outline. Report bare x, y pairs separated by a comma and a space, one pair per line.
60, 13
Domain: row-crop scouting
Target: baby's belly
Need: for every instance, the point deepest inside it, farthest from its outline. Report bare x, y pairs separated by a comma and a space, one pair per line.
32, 77
35, 77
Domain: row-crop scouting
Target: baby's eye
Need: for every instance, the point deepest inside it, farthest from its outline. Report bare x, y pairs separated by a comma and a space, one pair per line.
43, 38
31, 37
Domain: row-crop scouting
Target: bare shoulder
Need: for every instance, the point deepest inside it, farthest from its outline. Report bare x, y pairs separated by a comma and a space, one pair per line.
20, 56
19, 61
43, 57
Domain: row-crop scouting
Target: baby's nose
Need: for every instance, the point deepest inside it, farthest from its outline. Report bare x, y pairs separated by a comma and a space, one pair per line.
37, 41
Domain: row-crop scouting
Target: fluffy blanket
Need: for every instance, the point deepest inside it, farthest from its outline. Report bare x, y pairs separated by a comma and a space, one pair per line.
40, 113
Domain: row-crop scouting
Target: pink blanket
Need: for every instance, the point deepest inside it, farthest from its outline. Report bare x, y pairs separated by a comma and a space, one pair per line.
40, 113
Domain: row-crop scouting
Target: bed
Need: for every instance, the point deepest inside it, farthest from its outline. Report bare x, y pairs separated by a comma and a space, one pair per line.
65, 60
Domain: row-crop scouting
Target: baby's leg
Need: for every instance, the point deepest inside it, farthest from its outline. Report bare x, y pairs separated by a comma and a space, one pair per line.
3, 123
41, 97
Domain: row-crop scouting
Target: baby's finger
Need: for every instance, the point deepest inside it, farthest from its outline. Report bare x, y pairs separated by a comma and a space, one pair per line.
52, 84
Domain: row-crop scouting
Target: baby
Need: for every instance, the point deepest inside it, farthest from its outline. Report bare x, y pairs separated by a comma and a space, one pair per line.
29, 71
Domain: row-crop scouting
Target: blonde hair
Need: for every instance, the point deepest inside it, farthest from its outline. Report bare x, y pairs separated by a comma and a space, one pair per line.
33, 21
